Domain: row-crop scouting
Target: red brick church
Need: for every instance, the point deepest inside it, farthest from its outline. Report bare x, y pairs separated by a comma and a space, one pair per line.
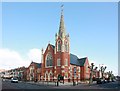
57, 61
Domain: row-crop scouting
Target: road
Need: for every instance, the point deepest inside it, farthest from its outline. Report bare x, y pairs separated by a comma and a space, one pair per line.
111, 85
24, 85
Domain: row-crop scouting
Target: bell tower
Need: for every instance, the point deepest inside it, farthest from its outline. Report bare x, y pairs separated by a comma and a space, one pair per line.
62, 49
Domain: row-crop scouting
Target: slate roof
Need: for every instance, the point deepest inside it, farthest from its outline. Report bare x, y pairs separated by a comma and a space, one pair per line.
73, 59
76, 61
37, 64
82, 61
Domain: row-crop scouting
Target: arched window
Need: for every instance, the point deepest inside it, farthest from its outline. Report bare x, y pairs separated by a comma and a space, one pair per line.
58, 62
49, 60
59, 46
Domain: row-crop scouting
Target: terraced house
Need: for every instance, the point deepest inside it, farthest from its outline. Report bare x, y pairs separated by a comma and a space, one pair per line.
33, 71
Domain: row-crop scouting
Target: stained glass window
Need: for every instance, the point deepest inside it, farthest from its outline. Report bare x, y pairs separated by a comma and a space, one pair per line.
49, 60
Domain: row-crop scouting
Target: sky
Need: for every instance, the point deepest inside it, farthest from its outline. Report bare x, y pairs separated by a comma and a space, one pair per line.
29, 27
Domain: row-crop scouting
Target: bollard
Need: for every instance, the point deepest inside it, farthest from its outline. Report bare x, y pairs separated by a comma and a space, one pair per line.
63, 81
73, 83
77, 83
57, 83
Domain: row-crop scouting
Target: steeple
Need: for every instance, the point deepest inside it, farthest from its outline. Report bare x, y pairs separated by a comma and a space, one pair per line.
62, 32
62, 40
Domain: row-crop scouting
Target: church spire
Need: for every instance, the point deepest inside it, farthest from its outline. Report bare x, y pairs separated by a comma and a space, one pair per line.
62, 32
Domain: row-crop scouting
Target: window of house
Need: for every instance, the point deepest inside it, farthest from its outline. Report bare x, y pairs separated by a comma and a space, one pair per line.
58, 62
79, 76
31, 69
78, 69
49, 60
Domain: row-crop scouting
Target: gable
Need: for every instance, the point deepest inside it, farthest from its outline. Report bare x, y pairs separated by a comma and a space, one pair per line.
53, 47
50, 48
86, 62
36, 65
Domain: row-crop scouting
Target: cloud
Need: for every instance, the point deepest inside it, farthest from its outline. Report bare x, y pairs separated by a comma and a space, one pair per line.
35, 55
10, 59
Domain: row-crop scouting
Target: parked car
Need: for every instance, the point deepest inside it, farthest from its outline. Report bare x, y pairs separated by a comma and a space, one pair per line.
14, 80
113, 80
100, 81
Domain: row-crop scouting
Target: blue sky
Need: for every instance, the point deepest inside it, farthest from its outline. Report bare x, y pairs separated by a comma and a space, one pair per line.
93, 28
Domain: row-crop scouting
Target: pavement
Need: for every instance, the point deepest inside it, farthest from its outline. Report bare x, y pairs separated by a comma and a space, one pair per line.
60, 83
50, 83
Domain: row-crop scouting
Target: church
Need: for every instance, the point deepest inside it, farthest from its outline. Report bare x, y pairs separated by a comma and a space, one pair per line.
57, 61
